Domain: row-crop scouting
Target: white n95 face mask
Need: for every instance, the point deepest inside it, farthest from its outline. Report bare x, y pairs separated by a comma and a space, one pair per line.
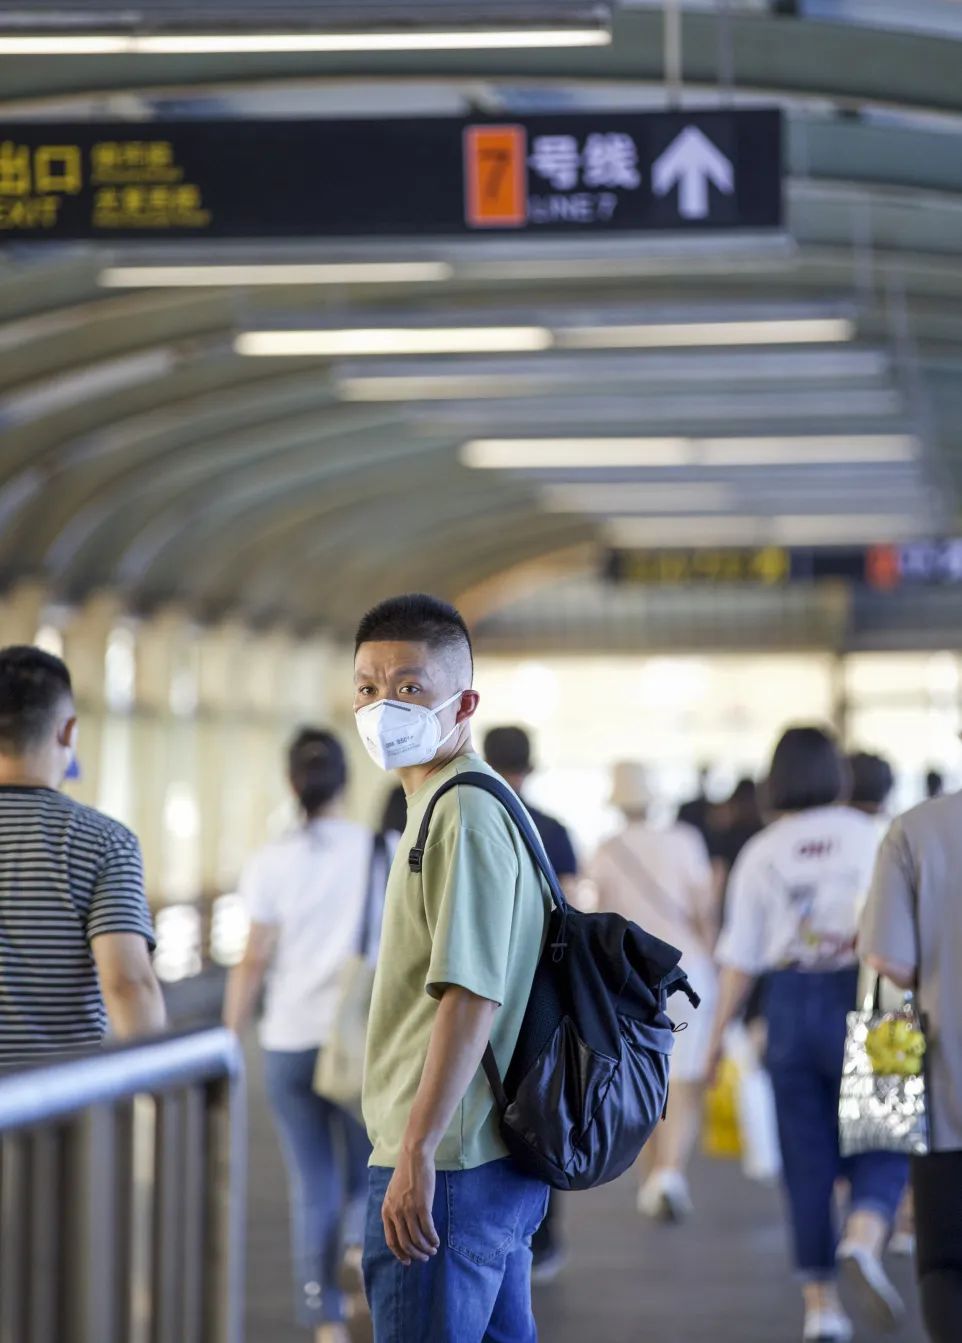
398, 735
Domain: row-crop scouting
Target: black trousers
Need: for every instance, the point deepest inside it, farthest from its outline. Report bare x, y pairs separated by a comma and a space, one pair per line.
937, 1185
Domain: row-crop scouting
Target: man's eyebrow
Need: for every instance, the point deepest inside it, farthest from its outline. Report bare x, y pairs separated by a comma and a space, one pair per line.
362, 675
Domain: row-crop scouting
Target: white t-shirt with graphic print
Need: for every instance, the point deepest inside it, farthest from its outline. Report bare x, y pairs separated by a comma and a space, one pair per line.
796, 892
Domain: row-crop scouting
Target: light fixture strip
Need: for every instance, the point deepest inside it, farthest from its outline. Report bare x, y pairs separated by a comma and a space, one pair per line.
206, 44
366, 342
750, 529
209, 277
691, 496
361, 342
553, 454
665, 335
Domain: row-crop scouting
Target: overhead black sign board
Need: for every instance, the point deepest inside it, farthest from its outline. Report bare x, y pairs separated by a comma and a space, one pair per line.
884, 568
546, 174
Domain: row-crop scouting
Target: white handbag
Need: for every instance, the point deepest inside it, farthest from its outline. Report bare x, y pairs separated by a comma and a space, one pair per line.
339, 1072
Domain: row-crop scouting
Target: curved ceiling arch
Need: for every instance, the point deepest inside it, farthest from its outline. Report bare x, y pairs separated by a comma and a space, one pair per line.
403, 515
206, 476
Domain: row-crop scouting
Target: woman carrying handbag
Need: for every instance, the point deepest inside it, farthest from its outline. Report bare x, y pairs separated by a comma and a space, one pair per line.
911, 932
792, 916
315, 899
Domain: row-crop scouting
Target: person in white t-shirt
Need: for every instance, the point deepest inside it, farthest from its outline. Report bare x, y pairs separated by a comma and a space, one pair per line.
792, 915
661, 878
312, 898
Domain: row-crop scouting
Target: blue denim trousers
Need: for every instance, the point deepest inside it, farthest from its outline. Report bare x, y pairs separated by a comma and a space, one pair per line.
477, 1289
326, 1152
806, 1041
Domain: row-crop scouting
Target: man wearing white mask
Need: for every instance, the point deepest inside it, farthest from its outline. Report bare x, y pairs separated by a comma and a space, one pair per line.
450, 1218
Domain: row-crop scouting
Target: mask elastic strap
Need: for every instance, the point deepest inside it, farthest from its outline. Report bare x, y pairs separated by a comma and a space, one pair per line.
439, 708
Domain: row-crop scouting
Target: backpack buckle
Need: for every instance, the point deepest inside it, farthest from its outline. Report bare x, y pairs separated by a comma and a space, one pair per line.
558, 950
415, 859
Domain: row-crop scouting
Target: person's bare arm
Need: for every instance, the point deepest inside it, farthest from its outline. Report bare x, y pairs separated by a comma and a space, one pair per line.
459, 1037
135, 1004
734, 987
245, 981
902, 976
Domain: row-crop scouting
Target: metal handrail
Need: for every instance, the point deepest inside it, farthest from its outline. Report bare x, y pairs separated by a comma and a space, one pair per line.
42, 1093
122, 1195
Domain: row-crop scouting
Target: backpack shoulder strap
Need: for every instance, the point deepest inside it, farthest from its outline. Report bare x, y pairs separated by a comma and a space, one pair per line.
509, 800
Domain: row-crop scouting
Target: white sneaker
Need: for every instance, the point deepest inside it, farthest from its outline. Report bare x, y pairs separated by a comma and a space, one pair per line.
827, 1326
862, 1273
665, 1197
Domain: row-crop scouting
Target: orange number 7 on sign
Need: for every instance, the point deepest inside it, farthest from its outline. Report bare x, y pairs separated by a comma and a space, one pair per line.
496, 176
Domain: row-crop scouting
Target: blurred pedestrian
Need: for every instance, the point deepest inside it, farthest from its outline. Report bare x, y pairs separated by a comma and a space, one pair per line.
739, 820
911, 932
309, 896
661, 879
793, 906
872, 781
699, 811
508, 750
75, 929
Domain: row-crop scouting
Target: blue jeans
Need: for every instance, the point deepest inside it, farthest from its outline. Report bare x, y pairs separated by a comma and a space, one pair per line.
326, 1153
477, 1289
806, 1041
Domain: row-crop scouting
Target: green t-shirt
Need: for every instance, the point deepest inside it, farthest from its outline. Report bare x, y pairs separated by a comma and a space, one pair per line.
475, 916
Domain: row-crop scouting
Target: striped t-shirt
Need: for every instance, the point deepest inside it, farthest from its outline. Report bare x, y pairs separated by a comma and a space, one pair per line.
67, 875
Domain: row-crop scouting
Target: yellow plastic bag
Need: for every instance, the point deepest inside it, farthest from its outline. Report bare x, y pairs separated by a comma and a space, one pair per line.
721, 1136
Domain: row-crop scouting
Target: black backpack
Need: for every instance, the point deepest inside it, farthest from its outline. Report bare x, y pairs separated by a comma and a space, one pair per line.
588, 1082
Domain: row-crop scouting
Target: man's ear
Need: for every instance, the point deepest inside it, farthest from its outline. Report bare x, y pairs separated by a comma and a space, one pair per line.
67, 736
469, 706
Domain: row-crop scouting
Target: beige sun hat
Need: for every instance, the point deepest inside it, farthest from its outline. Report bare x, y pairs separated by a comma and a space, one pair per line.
630, 788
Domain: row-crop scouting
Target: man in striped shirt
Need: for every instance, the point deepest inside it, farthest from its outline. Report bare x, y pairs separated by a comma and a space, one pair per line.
75, 929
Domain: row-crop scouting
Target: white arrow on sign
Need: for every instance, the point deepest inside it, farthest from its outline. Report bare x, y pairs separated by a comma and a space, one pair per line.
690, 162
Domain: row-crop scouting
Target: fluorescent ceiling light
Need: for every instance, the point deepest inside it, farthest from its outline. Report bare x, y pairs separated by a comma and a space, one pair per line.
177, 44
549, 454
457, 388
362, 342
742, 371
182, 277
749, 530
494, 340
660, 335
534, 454
622, 404
806, 450
613, 499
855, 529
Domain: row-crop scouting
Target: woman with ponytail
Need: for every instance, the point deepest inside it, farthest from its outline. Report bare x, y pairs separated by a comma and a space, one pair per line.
311, 900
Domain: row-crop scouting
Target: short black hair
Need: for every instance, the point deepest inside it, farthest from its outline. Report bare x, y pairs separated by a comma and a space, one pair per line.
33, 686
415, 618
934, 783
872, 778
508, 750
807, 771
317, 767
